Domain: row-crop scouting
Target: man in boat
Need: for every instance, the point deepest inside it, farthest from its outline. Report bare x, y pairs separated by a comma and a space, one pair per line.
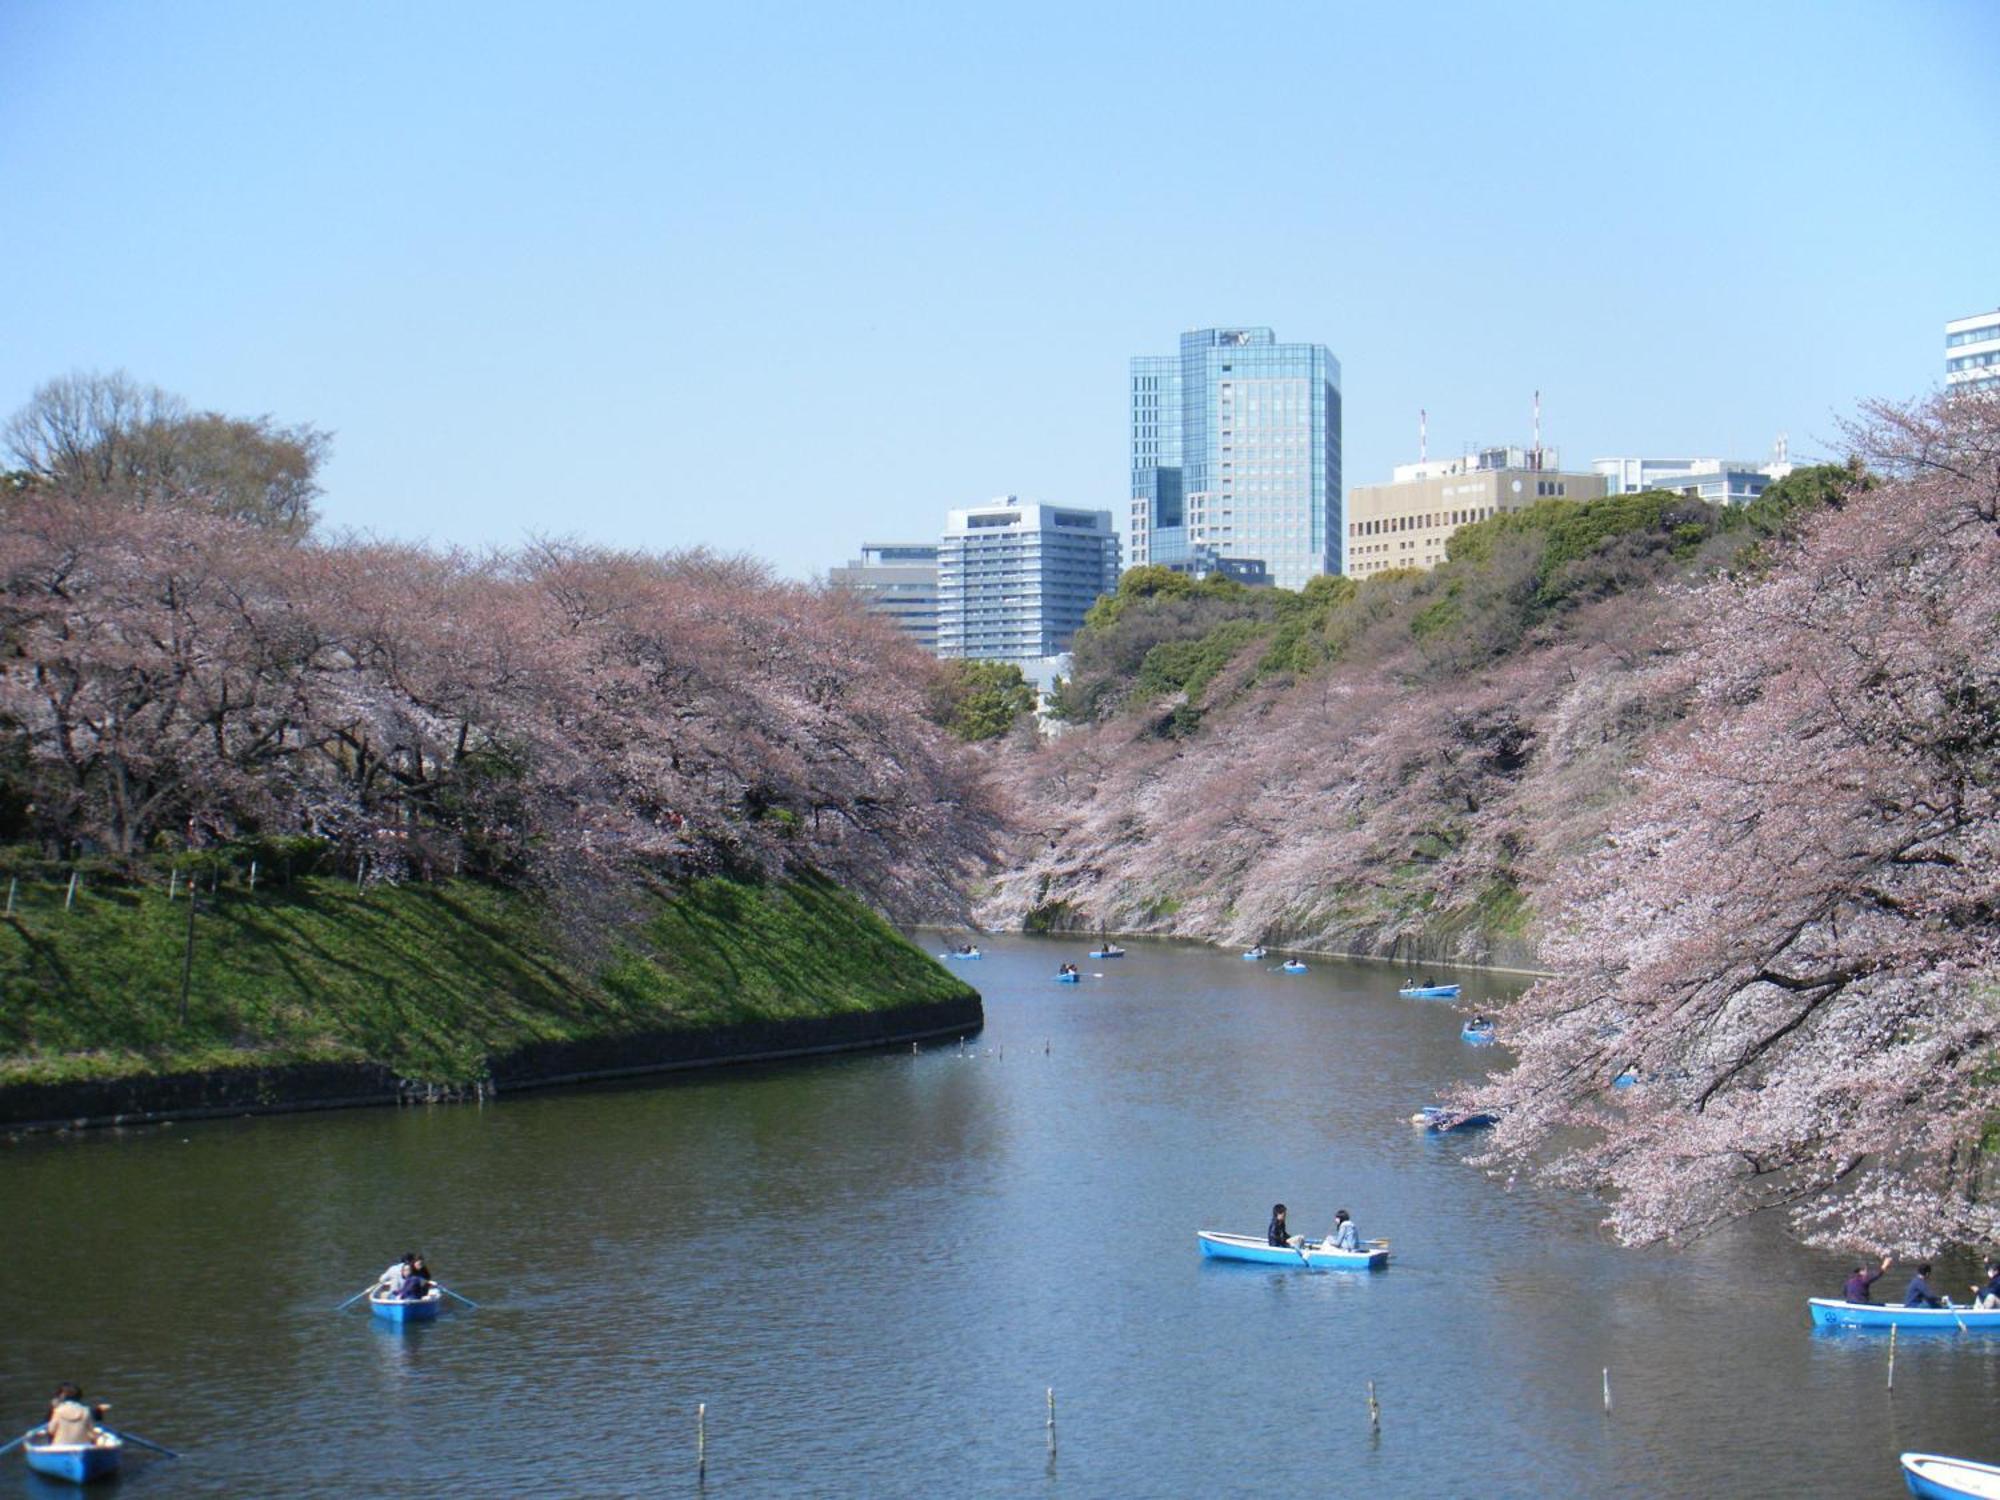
1861, 1278
1343, 1235
1920, 1293
70, 1421
1280, 1233
1986, 1295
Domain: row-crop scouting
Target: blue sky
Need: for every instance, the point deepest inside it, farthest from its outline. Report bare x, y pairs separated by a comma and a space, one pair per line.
781, 279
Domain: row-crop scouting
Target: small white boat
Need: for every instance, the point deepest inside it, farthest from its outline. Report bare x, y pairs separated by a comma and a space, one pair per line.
1938, 1478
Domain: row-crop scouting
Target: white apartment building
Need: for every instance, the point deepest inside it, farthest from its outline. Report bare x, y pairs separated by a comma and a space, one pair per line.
1720, 481
1972, 353
1015, 579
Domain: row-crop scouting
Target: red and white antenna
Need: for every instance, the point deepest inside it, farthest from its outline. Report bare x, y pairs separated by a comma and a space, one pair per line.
1423, 435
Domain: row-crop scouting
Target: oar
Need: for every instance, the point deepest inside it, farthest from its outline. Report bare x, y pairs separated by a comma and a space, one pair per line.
133, 1437
10, 1447
357, 1296
450, 1293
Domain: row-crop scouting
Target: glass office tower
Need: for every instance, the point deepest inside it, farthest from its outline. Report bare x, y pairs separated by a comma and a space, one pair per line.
1236, 454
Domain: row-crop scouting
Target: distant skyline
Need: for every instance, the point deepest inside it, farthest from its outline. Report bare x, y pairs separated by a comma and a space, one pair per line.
784, 281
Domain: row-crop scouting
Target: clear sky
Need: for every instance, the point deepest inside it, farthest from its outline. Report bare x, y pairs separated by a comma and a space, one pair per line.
781, 279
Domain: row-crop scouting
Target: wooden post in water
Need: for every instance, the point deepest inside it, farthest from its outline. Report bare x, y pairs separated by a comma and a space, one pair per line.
1607, 1390
701, 1441
1892, 1356
1052, 1421
70, 899
1374, 1411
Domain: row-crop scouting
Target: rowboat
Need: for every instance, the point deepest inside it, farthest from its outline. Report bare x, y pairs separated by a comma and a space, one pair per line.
1256, 955
1835, 1312
1114, 951
1293, 966
79, 1463
406, 1309
1438, 1119
1626, 1079
1254, 1248
1937, 1478
1069, 979
1479, 1033
964, 958
1429, 991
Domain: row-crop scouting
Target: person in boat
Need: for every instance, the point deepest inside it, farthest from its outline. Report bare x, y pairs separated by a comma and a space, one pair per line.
417, 1285
1987, 1295
1280, 1233
392, 1278
1343, 1235
1920, 1293
1861, 1278
70, 1420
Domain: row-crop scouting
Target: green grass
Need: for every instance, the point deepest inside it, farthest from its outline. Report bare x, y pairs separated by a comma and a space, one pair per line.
428, 979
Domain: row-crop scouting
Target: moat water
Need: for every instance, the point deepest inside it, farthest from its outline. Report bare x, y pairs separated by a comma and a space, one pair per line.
872, 1269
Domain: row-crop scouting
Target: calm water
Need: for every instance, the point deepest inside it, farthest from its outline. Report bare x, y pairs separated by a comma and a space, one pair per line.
871, 1268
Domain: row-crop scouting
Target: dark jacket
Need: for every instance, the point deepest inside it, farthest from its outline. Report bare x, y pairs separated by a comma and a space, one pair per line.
1858, 1284
1277, 1233
1921, 1295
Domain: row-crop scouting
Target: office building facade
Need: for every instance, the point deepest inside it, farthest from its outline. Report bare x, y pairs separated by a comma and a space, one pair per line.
899, 581
1972, 354
1406, 523
1015, 579
1720, 481
1236, 452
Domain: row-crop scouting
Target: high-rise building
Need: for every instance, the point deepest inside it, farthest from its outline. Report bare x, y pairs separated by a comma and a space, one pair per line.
1236, 449
1720, 481
1015, 579
898, 580
1972, 353
1406, 523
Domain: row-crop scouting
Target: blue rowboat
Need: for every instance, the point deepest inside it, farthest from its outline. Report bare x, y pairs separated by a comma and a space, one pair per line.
1834, 1312
963, 958
1256, 955
1439, 1120
1252, 1247
1479, 1033
79, 1463
1938, 1478
1069, 979
406, 1310
1114, 951
1429, 992
1293, 966
1625, 1080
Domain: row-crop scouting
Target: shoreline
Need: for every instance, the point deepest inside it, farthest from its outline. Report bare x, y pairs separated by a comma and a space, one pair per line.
220, 1093
1197, 942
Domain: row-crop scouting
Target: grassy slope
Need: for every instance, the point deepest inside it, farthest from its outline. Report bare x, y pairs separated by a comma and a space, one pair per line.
427, 979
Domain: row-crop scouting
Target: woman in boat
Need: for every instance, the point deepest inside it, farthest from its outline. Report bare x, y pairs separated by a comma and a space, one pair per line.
1987, 1296
392, 1278
70, 1421
1279, 1233
1343, 1235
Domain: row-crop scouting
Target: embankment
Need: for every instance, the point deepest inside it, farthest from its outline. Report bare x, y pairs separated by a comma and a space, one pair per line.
317, 995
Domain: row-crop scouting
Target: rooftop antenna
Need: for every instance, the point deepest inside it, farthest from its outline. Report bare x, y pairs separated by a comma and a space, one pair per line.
1423, 435
1538, 431
1784, 448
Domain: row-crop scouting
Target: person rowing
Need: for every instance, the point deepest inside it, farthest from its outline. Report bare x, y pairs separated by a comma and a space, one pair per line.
71, 1423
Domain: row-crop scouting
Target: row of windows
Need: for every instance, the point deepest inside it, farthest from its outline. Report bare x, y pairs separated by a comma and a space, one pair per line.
1972, 335
1974, 361
1424, 522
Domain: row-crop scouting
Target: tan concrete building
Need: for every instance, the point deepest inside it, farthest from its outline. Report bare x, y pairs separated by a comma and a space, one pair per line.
1404, 524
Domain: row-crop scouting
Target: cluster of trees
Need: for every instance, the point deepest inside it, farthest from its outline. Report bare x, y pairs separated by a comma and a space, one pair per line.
1731, 772
1792, 930
181, 663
